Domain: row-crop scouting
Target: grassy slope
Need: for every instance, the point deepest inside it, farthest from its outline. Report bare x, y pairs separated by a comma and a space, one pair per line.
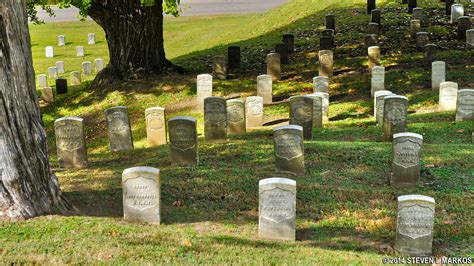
346, 210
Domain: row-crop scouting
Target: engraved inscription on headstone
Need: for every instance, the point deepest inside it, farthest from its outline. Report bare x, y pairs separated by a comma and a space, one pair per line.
379, 97
325, 97
465, 105
155, 126
215, 119
326, 63
118, 124
438, 74
374, 56
183, 140
321, 84
204, 89
318, 100
378, 79
264, 88
289, 150
448, 95
394, 115
406, 156
254, 112
236, 123
301, 114
70, 142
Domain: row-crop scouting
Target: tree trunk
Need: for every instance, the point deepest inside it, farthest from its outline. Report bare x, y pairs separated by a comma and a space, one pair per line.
134, 35
28, 187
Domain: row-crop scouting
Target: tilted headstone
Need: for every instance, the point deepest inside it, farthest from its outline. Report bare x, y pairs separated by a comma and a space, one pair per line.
141, 194
321, 84
91, 38
457, 10
70, 142
61, 86
289, 39
394, 115
417, 14
119, 131
317, 110
301, 114
464, 24
99, 64
75, 78
371, 5
183, 140
379, 100
289, 149
204, 89
376, 16
219, 68
406, 159
438, 74
330, 22
431, 51
282, 49
53, 72
87, 68
60, 67
370, 40
415, 27
155, 126
373, 56
325, 97
61, 40
465, 105
470, 39
265, 88
233, 56
47, 94
254, 112
236, 123
326, 63
274, 65
422, 39
42, 80
448, 95
277, 209
325, 43
215, 120
49, 51
373, 28
415, 222
411, 6
378, 79
80, 51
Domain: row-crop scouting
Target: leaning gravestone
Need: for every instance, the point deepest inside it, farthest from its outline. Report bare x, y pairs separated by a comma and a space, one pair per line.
457, 10
415, 27
219, 68
370, 40
47, 94
236, 116
99, 64
430, 53
376, 16
277, 209
70, 142
470, 39
379, 98
330, 22
118, 124
406, 159
141, 194
60, 67
373, 28
415, 222
317, 110
448, 95
215, 120
91, 38
265, 88
87, 68
321, 84
49, 51
274, 65
53, 72
465, 105
233, 55
325, 97
204, 89
42, 80
422, 39
464, 24
394, 115
378, 79
155, 126
75, 78
438, 74
61, 40
301, 114
326, 63
254, 112
61, 86
373, 56
183, 140
289, 39
282, 49
289, 149
80, 51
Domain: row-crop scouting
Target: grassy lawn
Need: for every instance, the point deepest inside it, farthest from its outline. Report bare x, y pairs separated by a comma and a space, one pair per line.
346, 210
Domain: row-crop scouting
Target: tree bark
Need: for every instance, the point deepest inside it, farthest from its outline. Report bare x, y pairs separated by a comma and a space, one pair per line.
28, 188
134, 35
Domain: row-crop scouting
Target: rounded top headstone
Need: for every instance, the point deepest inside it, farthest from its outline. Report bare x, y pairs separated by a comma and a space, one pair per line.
415, 197
146, 169
277, 180
294, 127
407, 134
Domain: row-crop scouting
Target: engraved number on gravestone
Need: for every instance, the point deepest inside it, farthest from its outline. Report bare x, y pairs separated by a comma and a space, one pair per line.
301, 112
415, 221
277, 205
407, 153
235, 114
397, 113
182, 137
69, 137
288, 146
117, 124
140, 193
154, 121
254, 108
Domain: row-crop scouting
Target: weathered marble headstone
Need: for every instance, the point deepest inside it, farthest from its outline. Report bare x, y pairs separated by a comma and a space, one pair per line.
289, 149
326, 63
289, 39
394, 115
325, 43
457, 10
370, 40
470, 39
301, 114
321, 84
141, 194
373, 56
42, 80
80, 51
265, 88
155, 126
378, 79
415, 222
233, 56
415, 27
204, 89
87, 68
254, 112
431, 51
99, 64
49, 51
61, 40
282, 49
70, 142
75, 78
438, 74
236, 123
91, 38
422, 39
215, 119
406, 159
47, 94
274, 65
411, 6
183, 140
53, 72
119, 131
330, 22
277, 209
61, 86
370, 6
373, 28
325, 97
317, 110
417, 14
60, 67
465, 105
448, 95
379, 100
376, 16
219, 68
464, 24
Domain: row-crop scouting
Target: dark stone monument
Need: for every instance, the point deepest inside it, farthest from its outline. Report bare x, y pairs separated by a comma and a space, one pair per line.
376, 16
61, 86
330, 22
289, 39
464, 24
325, 43
233, 57
282, 49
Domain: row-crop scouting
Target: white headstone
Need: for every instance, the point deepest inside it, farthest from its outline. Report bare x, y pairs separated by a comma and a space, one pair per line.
49, 51
254, 112
91, 38
80, 51
325, 97
465, 105
42, 81
87, 68
204, 89
53, 72
264, 88
470, 39
457, 10
321, 84
438, 74
60, 67
378, 79
448, 94
61, 40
